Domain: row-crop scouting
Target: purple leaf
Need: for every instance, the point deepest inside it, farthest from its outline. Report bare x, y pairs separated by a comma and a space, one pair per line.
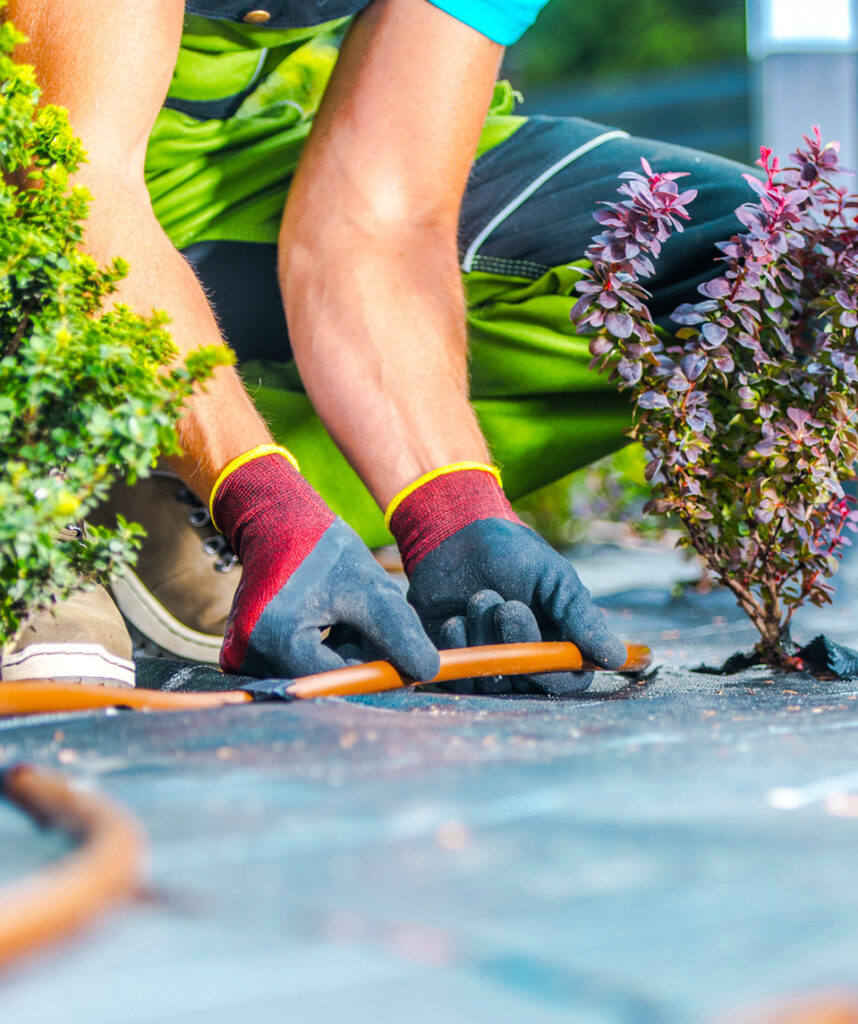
653, 400
755, 183
686, 314
723, 362
845, 299
580, 308
718, 288
714, 333
799, 417
600, 345
693, 365
630, 370
797, 196
619, 324
745, 293
765, 512
678, 382
809, 172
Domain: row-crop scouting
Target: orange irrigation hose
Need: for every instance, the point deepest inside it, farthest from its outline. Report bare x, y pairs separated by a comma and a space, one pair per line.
463, 663
26, 698
67, 896
32, 697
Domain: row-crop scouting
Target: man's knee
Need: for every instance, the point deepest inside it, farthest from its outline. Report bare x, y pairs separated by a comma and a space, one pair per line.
530, 201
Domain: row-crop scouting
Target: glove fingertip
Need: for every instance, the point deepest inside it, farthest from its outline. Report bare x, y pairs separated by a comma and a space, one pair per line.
312, 663
516, 624
423, 663
414, 654
609, 652
453, 634
353, 654
590, 633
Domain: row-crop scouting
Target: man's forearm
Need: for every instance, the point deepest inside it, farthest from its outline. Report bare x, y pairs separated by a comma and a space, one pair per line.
109, 64
368, 261
377, 322
122, 223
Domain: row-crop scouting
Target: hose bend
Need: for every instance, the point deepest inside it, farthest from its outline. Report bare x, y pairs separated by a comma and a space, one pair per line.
103, 871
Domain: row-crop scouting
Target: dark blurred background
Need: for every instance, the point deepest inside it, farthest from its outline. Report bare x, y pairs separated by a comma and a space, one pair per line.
669, 69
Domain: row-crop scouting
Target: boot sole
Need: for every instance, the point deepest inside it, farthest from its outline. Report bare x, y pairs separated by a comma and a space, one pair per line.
147, 614
89, 664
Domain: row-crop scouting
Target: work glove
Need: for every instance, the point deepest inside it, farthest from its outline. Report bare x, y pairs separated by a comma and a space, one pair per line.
479, 576
305, 571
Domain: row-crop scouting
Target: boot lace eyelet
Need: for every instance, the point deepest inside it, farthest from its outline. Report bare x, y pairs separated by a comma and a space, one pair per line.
199, 517
214, 545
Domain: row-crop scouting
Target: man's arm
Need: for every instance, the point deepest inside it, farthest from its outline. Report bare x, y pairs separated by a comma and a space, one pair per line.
369, 270
368, 260
109, 63
303, 570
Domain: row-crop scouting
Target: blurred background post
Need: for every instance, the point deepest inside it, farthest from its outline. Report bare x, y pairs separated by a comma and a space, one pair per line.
803, 60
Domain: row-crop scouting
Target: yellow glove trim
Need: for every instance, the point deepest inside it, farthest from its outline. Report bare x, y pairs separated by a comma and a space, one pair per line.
433, 474
242, 460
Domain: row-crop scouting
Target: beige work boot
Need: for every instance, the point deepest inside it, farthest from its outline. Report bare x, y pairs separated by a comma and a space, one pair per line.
180, 592
80, 640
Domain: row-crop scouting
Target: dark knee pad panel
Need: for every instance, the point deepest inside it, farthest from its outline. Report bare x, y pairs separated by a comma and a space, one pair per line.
530, 202
240, 280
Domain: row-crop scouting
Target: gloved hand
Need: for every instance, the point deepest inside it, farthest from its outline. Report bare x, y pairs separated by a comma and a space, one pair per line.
478, 576
304, 570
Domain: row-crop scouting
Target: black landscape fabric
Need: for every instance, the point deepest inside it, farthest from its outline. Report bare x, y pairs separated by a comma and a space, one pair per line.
668, 850
826, 655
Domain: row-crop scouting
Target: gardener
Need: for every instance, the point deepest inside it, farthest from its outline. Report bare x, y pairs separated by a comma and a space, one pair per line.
197, 119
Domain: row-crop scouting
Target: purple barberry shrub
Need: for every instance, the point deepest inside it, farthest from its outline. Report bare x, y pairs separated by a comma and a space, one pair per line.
748, 412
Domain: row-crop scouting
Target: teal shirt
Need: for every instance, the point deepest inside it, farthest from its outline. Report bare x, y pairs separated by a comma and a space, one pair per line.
504, 21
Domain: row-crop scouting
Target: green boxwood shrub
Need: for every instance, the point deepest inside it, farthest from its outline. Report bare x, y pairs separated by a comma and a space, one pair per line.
85, 395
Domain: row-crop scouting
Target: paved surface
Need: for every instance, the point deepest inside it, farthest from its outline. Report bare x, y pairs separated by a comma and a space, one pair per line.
669, 851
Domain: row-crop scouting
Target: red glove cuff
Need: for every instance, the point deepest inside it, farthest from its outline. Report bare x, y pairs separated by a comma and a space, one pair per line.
442, 506
265, 497
273, 519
